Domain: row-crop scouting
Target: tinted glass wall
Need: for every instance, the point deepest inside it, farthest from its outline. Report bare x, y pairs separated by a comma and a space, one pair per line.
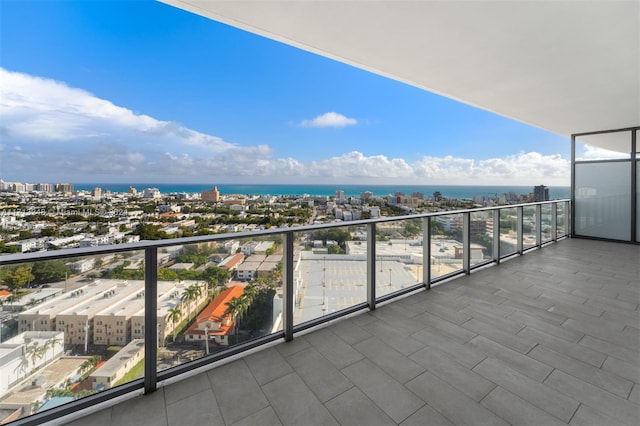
605, 185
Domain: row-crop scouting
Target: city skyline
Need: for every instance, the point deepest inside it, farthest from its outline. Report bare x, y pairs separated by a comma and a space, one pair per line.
91, 94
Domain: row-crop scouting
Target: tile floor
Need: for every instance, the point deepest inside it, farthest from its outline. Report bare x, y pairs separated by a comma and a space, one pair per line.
552, 337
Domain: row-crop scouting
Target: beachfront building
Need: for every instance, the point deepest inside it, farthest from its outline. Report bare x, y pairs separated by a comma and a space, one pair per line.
212, 196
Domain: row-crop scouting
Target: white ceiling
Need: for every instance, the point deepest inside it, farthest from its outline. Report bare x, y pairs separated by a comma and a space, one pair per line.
564, 66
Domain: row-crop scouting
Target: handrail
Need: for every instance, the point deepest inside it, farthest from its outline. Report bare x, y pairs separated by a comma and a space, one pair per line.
152, 377
9, 259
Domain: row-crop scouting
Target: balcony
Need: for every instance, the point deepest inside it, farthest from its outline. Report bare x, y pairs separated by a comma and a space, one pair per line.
549, 337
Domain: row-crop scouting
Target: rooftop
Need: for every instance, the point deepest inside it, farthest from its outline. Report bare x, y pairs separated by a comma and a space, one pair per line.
547, 338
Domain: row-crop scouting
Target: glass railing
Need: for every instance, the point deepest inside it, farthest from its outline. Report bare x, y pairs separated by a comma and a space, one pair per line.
129, 316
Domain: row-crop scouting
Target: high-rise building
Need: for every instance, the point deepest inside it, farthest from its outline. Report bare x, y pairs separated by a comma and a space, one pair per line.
366, 196
96, 193
212, 196
153, 193
64, 187
132, 190
44, 187
540, 193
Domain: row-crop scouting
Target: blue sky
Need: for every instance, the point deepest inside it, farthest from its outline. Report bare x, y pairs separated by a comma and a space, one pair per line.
138, 91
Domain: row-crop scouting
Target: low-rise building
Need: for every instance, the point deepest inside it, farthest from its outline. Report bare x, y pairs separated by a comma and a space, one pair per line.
118, 365
213, 323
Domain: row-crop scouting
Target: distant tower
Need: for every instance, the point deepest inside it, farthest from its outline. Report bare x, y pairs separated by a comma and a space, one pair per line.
339, 195
132, 190
212, 196
366, 196
63, 187
540, 193
96, 193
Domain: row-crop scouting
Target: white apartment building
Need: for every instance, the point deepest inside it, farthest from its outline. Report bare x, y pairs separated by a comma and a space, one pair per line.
151, 193
15, 360
117, 366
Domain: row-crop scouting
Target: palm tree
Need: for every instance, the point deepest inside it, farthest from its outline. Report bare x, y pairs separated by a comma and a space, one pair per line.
34, 352
235, 308
51, 343
190, 294
174, 316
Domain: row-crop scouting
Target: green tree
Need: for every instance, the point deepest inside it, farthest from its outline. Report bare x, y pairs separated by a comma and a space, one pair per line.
17, 279
149, 231
165, 274
236, 307
48, 271
4, 248
174, 316
190, 295
34, 352
25, 235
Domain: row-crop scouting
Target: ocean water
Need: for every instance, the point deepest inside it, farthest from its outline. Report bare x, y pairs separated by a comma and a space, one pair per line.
451, 191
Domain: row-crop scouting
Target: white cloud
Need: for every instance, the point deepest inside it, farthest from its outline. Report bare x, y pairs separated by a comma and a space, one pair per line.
594, 153
51, 132
39, 110
329, 119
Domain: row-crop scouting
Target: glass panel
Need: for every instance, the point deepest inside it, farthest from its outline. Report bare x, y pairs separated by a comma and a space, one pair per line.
589, 148
561, 219
446, 244
529, 226
481, 225
508, 231
603, 200
546, 222
398, 255
64, 328
638, 201
214, 295
330, 271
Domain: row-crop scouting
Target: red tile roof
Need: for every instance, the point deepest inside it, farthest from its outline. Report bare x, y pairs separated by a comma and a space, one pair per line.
215, 312
233, 262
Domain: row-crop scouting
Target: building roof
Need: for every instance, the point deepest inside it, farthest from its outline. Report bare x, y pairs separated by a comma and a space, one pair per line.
232, 261
215, 312
564, 66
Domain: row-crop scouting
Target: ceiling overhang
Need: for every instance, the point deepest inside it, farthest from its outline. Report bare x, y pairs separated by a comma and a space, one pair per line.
563, 66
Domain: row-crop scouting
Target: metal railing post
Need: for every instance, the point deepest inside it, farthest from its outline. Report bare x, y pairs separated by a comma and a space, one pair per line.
519, 232
371, 265
568, 218
539, 225
288, 287
150, 319
466, 242
496, 236
426, 251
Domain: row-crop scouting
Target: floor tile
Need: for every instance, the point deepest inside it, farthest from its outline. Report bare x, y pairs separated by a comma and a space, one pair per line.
517, 411
453, 404
322, 377
145, 410
391, 361
621, 409
354, 408
232, 383
539, 395
295, 404
267, 365
388, 394
195, 410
